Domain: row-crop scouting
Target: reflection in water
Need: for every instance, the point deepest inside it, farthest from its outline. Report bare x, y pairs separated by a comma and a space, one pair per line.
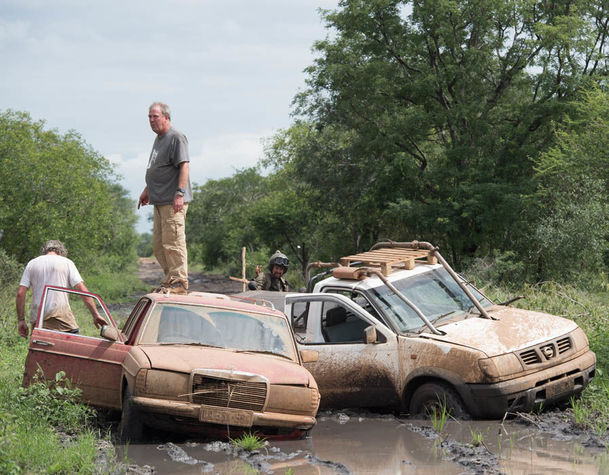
366, 444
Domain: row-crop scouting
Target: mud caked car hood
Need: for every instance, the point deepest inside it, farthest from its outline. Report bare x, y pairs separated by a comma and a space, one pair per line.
184, 359
513, 329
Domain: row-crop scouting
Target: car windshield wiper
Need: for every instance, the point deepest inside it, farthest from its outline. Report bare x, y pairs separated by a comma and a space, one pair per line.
265, 352
189, 343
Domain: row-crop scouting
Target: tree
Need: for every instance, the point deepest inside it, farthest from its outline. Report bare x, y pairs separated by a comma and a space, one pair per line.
217, 220
423, 118
55, 186
572, 222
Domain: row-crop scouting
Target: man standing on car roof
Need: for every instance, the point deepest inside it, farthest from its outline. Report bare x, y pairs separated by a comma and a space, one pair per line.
273, 278
52, 267
168, 189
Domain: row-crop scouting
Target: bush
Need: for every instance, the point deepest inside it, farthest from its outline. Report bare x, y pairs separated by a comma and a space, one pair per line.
500, 269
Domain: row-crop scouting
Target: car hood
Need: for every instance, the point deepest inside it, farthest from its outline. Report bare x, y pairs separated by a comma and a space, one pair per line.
184, 359
513, 329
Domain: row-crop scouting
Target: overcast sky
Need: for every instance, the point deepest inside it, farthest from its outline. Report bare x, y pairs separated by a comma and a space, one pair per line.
228, 69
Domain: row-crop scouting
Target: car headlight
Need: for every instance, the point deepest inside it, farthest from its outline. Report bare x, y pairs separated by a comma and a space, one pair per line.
163, 384
293, 400
500, 366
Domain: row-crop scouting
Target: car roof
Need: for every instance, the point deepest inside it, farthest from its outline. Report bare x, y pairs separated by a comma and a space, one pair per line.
216, 300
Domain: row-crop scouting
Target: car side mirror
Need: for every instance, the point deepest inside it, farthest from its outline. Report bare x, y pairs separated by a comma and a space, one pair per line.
370, 335
109, 333
309, 356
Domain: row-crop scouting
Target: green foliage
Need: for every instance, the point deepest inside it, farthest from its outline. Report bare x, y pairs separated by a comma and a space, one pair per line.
70, 194
144, 245
573, 194
439, 415
249, 442
217, 220
55, 402
43, 429
477, 437
498, 269
114, 286
9, 279
426, 120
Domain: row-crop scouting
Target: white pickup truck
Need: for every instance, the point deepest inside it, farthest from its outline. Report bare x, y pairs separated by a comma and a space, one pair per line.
396, 327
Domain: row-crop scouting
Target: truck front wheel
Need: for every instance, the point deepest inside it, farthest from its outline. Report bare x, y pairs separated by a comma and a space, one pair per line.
439, 396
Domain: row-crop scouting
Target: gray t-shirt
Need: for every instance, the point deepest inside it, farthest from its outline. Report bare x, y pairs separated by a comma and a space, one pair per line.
163, 169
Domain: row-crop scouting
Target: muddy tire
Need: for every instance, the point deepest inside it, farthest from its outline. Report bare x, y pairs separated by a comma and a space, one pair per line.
131, 427
436, 395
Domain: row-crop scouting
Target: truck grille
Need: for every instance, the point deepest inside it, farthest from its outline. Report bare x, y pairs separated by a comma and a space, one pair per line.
546, 351
232, 393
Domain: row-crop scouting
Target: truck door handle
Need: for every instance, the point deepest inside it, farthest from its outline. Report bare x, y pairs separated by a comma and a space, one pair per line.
43, 343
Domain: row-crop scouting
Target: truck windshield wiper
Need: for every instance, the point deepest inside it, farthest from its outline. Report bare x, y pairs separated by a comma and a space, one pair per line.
512, 300
440, 317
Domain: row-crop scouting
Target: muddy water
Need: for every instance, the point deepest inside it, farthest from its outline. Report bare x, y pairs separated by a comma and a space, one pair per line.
344, 443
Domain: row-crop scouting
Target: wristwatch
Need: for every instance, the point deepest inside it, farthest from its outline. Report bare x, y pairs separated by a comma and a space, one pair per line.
180, 191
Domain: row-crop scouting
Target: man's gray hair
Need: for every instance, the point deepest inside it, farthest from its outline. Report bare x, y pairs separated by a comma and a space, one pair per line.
164, 108
54, 246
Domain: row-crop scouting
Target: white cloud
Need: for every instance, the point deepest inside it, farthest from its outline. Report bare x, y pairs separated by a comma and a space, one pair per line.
220, 156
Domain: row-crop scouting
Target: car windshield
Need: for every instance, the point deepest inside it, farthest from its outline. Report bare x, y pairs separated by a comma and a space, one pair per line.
436, 295
171, 323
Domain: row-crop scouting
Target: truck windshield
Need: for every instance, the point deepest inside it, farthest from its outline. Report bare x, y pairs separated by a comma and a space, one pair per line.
436, 295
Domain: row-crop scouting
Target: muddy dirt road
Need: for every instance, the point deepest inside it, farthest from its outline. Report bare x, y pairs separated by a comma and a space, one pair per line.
362, 443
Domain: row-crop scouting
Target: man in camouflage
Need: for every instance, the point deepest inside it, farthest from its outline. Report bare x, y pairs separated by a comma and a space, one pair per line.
272, 279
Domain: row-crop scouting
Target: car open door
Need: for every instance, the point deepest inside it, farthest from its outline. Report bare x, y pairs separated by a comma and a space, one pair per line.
90, 362
352, 369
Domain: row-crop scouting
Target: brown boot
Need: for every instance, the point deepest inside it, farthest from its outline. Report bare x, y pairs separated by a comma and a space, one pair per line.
178, 288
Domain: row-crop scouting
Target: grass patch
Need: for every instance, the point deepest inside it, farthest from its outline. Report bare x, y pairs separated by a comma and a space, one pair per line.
113, 287
249, 442
43, 429
439, 415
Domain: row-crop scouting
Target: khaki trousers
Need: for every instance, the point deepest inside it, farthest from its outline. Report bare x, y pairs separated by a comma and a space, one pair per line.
169, 243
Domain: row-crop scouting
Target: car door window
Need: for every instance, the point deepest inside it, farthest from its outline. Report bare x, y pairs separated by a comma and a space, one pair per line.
65, 311
339, 325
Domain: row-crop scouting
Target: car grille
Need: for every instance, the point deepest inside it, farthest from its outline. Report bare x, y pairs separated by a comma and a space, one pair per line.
232, 393
546, 351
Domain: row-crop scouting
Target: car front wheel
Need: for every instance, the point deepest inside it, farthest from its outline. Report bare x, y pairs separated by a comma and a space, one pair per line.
438, 396
131, 428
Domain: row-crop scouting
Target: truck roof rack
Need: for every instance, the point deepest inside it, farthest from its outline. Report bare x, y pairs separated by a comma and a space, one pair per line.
390, 259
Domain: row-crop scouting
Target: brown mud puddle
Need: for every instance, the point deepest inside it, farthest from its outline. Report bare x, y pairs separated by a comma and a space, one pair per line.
363, 443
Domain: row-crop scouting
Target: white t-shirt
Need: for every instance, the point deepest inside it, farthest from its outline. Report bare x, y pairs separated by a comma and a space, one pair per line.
49, 269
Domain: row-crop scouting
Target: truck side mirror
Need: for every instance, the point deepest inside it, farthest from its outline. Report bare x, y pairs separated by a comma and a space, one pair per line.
370, 335
309, 356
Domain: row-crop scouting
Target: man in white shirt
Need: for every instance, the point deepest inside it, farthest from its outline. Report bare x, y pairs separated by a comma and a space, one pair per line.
52, 267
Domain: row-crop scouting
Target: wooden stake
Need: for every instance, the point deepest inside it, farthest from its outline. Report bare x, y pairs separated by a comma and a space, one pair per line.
243, 266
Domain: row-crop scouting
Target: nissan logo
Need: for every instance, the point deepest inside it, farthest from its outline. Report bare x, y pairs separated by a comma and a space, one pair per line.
548, 352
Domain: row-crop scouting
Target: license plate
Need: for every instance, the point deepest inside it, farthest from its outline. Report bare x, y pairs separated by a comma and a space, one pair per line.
223, 415
559, 388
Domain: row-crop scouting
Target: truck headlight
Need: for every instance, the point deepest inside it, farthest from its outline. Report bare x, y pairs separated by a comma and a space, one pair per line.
500, 366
